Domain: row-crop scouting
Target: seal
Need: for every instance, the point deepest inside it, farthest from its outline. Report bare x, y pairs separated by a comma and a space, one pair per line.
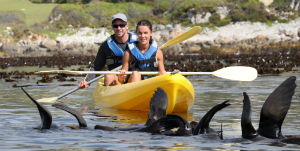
165, 125
272, 114
46, 117
203, 126
157, 110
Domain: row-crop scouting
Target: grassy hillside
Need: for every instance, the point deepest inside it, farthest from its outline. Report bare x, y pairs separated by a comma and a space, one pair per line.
34, 13
24, 16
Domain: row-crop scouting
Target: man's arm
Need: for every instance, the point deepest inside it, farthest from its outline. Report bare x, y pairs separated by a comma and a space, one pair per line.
98, 62
97, 65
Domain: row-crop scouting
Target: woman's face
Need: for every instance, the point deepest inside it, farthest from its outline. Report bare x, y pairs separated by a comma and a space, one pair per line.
144, 34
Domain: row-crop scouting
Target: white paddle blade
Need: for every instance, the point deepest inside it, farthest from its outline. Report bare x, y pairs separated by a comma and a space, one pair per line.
239, 73
47, 100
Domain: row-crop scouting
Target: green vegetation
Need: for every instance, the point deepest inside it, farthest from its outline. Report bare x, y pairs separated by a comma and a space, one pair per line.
98, 14
32, 15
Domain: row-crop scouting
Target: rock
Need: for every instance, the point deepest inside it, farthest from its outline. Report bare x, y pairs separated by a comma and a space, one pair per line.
288, 33
260, 36
176, 31
159, 27
24, 43
237, 38
49, 45
60, 46
85, 29
223, 11
198, 18
101, 31
12, 49
169, 27
285, 38
222, 39
37, 42
272, 38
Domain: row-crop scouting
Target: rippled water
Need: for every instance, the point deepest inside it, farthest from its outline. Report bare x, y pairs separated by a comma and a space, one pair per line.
18, 116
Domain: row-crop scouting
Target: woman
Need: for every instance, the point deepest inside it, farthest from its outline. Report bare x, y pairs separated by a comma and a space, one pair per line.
143, 55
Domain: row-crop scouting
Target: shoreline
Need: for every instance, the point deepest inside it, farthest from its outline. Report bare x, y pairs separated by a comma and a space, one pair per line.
239, 37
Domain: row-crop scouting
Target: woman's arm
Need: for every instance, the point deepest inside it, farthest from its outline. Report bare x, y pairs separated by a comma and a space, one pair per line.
160, 60
125, 62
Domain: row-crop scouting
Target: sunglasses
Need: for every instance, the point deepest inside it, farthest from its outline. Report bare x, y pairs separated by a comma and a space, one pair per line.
117, 25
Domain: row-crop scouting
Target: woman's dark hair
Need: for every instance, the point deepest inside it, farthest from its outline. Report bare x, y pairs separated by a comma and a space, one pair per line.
144, 22
147, 23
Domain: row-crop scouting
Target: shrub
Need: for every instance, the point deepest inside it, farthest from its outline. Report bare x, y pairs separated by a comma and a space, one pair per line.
85, 1
36, 1
224, 21
66, 1
11, 17
41, 1
215, 18
272, 17
162, 7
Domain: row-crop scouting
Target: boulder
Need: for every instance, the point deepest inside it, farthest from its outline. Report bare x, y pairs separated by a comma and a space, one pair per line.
222, 39
237, 38
272, 37
198, 18
50, 45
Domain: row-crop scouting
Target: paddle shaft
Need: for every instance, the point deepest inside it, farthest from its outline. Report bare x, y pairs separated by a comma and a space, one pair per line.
141, 72
89, 82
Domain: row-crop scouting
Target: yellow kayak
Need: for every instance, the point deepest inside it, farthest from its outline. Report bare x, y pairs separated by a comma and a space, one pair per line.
137, 95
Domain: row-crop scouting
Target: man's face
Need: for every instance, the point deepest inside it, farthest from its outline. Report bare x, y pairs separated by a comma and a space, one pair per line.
120, 27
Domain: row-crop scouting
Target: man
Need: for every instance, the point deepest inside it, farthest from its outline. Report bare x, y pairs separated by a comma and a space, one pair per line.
112, 51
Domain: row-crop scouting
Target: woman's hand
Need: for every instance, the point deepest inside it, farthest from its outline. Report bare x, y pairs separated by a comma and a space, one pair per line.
123, 71
122, 76
161, 73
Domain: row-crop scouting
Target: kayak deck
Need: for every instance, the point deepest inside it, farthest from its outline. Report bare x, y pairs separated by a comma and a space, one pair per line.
137, 95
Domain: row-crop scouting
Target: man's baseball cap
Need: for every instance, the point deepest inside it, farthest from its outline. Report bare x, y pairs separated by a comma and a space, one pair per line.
119, 16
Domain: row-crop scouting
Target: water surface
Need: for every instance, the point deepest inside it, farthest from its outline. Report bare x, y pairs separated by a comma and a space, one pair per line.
18, 116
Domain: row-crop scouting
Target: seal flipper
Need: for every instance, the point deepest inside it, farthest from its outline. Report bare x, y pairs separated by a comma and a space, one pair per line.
203, 125
46, 117
248, 131
167, 123
158, 106
275, 109
75, 113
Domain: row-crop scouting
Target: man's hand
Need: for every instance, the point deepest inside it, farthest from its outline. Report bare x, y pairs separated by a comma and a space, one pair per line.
83, 85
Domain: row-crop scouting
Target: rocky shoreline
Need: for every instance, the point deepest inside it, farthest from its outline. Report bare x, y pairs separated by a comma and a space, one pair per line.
240, 37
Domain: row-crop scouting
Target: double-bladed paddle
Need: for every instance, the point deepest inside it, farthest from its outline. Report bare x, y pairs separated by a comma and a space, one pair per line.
238, 73
184, 36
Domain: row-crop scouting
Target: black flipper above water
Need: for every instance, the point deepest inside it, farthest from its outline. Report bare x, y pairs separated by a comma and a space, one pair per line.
75, 113
203, 125
158, 106
46, 117
248, 131
275, 109
167, 123
157, 110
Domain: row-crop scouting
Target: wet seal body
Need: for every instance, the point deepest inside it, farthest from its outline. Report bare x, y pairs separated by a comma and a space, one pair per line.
272, 114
